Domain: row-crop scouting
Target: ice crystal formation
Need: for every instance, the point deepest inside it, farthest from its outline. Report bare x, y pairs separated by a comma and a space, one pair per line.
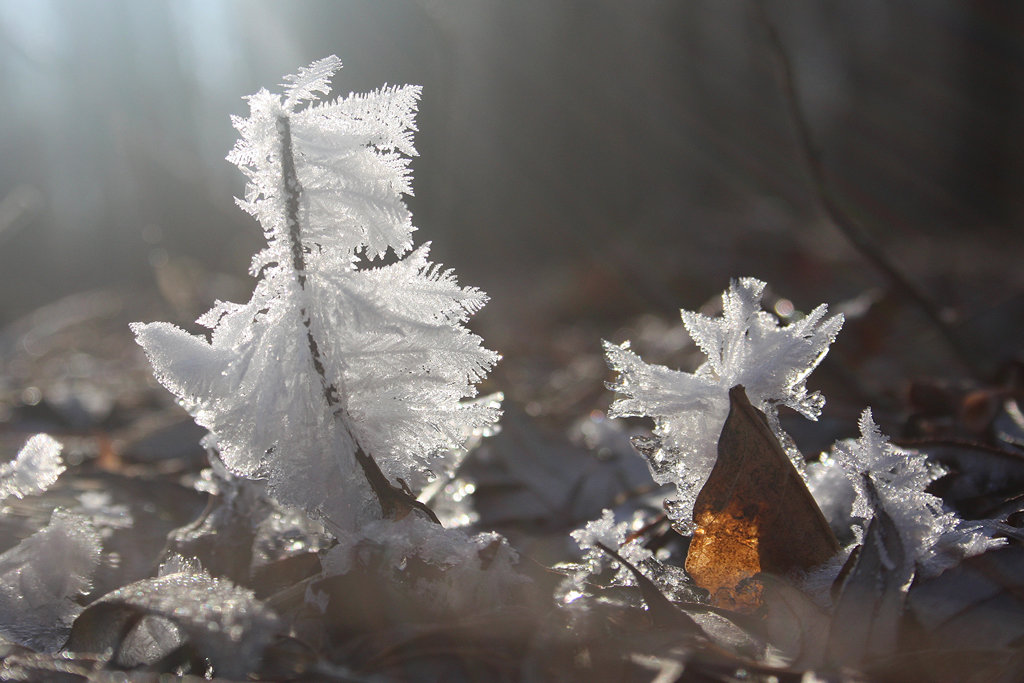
41, 577
882, 475
747, 346
34, 470
335, 365
612, 535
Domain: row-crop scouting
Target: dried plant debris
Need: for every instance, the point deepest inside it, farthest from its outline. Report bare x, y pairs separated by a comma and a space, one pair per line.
754, 514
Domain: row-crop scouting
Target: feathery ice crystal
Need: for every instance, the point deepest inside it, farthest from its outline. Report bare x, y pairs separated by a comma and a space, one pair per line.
932, 537
331, 363
747, 346
41, 577
37, 466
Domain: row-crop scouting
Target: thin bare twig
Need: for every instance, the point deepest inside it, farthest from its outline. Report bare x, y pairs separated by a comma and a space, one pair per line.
855, 233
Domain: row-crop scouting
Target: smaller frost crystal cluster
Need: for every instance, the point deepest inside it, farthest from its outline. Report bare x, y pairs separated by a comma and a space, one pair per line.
607, 532
332, 364
40, 579
747, 346
619, 537
34, 470
932, 537
42, 575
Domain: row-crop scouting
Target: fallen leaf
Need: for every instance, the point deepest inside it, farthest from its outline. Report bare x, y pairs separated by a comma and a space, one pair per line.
146, 621
974, 605
868, 611
754, 514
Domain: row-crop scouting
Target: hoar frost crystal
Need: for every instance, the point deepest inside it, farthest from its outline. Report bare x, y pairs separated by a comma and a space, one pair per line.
745, 346
332, 365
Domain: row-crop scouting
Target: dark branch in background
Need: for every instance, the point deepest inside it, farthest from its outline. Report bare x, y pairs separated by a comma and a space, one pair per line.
857, 236
395, 502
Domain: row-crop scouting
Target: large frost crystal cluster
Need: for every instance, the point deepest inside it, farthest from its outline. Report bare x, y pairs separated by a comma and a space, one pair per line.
331, 358
747, 346
882, 475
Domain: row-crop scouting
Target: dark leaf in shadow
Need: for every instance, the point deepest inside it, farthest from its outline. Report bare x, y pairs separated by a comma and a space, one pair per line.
146, 621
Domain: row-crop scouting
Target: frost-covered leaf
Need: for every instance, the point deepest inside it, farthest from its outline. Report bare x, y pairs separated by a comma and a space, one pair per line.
147, 620
745, 346
983, 481
976, 604
41, 577
753, 515
331, 357
243, 528
34, 470
868, 612
931, 536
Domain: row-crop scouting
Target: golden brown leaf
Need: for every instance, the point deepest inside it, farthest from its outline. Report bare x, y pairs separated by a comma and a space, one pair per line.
754, 514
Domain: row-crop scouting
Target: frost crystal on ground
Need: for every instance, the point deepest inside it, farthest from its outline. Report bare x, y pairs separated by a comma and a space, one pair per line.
147, 620
40, 579
474, 569
747, 346
331, 356
933, 538
34, 470
606, 532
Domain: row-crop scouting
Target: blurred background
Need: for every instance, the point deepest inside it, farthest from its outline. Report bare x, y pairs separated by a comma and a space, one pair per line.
584, 162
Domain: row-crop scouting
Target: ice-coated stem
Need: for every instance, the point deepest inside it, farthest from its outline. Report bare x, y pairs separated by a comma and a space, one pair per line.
292, 193
395, 502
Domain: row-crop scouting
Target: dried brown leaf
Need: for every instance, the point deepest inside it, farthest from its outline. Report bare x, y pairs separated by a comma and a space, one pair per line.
754, 514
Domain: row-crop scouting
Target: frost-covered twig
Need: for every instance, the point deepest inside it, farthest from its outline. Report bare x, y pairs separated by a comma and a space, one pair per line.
394, 501
333, 367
